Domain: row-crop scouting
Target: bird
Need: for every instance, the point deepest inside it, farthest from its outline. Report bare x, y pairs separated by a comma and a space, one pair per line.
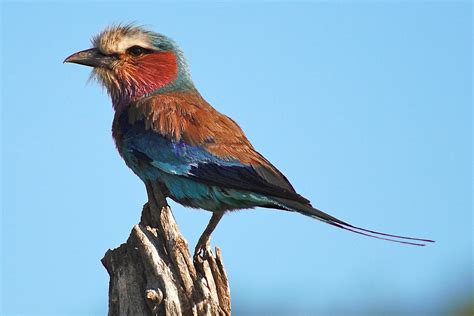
169, 135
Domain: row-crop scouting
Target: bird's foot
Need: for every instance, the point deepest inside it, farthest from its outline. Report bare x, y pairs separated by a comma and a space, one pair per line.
202, 250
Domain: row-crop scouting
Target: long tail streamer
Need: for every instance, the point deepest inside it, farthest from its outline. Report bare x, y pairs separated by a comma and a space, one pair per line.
310, 211
370, 233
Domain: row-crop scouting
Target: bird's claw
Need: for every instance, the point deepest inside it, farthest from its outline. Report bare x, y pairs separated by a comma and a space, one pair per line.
202, 251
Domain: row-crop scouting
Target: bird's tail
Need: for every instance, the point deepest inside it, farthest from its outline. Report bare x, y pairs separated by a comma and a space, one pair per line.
320, 215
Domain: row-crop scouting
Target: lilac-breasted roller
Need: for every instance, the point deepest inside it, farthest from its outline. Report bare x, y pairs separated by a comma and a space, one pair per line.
169, 135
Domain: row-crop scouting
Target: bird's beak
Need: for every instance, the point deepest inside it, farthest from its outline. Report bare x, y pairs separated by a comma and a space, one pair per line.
91, 57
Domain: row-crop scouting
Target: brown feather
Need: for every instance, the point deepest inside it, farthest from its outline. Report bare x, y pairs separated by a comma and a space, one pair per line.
189, 117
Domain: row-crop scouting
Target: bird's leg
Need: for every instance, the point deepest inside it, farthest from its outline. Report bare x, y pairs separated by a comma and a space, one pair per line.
203, 243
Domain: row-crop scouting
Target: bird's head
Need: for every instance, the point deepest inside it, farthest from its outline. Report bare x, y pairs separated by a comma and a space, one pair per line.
131, 62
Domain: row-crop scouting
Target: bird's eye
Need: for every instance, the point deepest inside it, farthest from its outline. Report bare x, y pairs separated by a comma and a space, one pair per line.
137, 51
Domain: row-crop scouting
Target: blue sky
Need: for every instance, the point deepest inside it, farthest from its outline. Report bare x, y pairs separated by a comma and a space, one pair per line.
365, 106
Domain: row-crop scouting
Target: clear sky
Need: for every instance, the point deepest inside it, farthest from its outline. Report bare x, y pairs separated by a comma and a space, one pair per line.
365, 106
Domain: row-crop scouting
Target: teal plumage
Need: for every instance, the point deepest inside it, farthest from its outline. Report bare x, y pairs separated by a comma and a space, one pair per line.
168, 134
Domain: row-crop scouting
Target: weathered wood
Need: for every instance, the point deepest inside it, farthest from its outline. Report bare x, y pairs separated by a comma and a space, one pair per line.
154, 274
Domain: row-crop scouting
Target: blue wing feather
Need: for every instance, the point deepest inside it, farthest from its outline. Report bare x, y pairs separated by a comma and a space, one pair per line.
151, 155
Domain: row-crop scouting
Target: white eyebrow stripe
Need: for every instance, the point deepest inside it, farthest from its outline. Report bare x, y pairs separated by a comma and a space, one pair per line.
129, 41
113, 43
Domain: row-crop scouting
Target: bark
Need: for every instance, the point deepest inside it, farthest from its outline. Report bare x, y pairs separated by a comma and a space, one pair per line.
154, 274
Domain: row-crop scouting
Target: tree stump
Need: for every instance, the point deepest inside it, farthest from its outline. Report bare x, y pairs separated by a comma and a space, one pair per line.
154, 274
